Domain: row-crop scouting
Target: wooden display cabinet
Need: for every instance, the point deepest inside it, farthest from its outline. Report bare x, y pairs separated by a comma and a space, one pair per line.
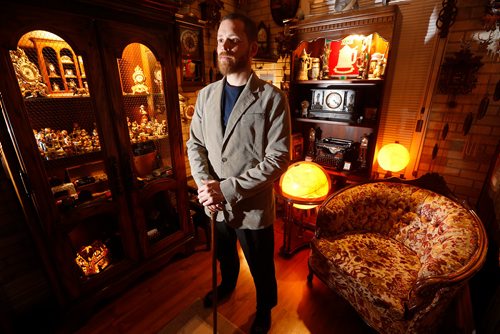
338, 68
100, 172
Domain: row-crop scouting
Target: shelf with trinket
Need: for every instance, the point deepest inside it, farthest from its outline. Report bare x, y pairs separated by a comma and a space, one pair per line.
338, 69
60, 68
144, 107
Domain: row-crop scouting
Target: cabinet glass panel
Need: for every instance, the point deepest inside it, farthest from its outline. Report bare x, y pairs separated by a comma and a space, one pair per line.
53, 83
52, 80
144, 107
161, 215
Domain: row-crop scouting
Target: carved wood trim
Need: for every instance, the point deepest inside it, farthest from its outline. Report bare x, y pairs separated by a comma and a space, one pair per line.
379, 19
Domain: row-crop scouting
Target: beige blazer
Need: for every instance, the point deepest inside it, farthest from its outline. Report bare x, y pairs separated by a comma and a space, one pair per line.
249, 156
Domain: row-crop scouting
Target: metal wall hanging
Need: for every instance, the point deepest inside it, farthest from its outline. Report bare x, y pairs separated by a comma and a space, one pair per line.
458, 74
446, 17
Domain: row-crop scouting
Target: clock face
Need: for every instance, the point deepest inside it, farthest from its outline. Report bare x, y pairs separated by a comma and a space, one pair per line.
333, 100
28, 72
189, 41
139, 78
157, 74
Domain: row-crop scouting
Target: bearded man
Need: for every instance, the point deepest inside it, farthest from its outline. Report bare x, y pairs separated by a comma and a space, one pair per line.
239, 145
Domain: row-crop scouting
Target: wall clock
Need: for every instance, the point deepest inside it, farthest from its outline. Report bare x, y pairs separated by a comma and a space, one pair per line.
191, 62
189, 41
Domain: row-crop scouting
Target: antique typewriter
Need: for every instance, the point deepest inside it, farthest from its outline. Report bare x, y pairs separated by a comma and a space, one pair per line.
334, 152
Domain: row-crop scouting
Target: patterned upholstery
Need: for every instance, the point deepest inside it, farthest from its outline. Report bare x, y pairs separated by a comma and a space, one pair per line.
397, 252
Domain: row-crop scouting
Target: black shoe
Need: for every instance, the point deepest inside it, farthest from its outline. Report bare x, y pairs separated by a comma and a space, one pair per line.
222, 294
262, 322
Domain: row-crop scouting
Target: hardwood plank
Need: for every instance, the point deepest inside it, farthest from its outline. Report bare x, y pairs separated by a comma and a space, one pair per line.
154, 301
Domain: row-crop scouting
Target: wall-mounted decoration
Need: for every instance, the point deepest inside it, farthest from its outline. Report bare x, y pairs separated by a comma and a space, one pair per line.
458, 74
264, 41
283, 9
191, 55
446, 17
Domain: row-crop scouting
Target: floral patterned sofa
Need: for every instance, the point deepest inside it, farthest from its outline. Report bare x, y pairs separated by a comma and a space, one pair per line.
396, 252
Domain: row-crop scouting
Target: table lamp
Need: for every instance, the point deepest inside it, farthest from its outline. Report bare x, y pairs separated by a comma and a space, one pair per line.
393, 158
305, 181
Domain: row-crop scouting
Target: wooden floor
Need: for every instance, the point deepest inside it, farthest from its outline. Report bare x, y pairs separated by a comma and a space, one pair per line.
152, 303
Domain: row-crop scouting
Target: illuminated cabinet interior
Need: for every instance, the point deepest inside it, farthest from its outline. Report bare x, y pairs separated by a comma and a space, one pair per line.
92, 114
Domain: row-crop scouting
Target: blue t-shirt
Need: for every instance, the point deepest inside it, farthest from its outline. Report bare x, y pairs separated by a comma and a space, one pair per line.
230, 96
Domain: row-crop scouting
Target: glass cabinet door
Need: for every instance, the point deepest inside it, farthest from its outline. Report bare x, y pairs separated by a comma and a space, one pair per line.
148, 131
53, 81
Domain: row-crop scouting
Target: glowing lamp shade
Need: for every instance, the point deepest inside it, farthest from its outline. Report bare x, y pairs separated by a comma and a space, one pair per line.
305, 181
393, 157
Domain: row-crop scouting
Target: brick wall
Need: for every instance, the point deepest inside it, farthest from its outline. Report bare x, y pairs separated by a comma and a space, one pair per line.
464, 160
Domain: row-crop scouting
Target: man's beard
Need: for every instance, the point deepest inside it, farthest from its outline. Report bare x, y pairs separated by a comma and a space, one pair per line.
232, 65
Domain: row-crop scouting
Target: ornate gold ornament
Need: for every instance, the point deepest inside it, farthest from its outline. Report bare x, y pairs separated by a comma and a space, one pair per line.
139, 86
28, 75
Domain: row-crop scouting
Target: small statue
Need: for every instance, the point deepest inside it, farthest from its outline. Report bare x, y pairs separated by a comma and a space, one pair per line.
305, 65
311, 150
304, 105
363, 148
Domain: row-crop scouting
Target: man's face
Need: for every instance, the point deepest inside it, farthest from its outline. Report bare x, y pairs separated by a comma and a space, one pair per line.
233, 49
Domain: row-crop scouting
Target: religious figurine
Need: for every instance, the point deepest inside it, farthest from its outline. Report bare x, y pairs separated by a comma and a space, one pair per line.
52, 70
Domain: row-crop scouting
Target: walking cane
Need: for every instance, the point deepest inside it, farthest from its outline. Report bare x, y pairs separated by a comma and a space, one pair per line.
214, 270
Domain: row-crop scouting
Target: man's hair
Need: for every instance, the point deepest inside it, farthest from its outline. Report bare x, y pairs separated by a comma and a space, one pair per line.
250, 26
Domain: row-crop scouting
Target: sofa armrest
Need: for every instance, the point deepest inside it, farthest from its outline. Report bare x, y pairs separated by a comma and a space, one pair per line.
426, 289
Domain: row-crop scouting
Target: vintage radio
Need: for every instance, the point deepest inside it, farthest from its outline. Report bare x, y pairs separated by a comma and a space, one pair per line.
335, 104
334, 152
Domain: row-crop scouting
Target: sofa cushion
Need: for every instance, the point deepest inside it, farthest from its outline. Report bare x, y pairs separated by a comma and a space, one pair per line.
372, 269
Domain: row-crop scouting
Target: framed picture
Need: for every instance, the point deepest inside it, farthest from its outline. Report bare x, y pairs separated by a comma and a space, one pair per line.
283, 9
264, 41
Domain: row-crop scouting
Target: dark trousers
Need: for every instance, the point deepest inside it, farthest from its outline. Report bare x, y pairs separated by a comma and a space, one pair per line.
258, 247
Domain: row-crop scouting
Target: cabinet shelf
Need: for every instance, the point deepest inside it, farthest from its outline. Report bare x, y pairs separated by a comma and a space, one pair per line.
331, 121
341, 82
346, 105
76, 159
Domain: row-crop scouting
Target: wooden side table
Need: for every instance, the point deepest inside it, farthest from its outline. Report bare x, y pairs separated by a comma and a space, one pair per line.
296, 232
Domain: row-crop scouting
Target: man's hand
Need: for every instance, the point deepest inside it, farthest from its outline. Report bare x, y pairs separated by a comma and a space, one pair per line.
210, 195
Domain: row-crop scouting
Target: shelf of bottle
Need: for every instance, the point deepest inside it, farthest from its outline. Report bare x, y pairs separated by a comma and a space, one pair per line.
333, 121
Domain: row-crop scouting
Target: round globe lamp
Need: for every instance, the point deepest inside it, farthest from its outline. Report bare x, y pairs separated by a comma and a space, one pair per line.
305, 182
393, 158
